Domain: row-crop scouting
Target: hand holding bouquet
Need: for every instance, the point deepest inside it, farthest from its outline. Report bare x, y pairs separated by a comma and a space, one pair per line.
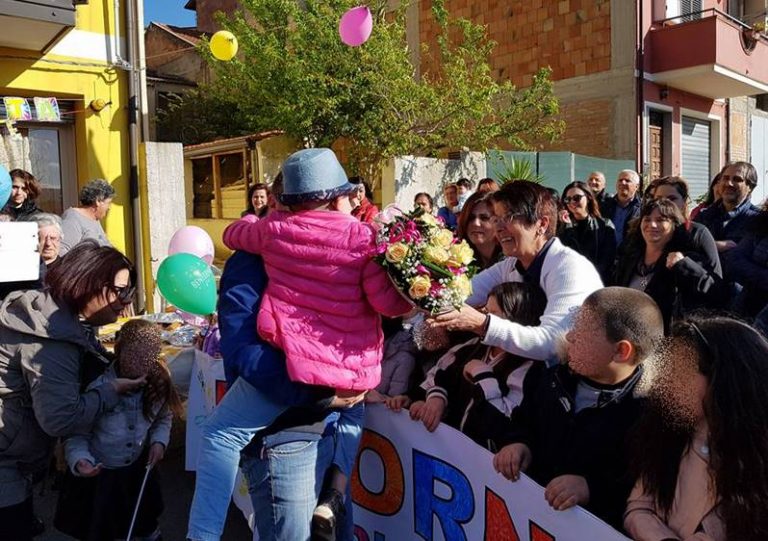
429, 266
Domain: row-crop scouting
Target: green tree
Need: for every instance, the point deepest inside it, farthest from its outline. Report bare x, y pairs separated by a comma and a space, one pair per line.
295, 74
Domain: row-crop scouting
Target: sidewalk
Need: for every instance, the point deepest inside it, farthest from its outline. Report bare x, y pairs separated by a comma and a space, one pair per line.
178, 487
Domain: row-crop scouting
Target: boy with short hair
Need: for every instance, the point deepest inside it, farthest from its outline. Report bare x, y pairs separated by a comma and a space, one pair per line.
570, 434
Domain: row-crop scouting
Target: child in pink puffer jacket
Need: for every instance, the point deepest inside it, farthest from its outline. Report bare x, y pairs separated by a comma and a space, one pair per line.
324, 297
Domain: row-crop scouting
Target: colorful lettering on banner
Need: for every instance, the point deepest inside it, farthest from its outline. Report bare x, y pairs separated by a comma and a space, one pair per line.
47, 110
389, 499
451, 510
412, 484
17, 109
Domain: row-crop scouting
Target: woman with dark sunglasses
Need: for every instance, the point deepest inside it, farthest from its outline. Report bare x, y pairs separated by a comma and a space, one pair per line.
590, 234
48, 355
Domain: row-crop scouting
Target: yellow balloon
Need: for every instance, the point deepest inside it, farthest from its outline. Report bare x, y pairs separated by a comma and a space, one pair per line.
224, 45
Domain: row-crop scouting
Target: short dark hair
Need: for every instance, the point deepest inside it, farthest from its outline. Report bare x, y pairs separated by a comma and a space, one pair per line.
521, 302
429, 198
84, 272
592, 207
465, 182
628, 314
531, 201
678, 183
360, 180
31, 184
750, 173
250, 209
665, 207
95, 191
493, 186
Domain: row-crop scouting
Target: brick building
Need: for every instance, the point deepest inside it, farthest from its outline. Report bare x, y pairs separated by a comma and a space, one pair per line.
662, 82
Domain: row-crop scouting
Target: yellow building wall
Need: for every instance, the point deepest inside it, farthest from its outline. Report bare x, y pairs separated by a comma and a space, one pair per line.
101, 139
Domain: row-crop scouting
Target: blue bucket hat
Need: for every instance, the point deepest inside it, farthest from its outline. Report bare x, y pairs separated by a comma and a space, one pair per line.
313, 174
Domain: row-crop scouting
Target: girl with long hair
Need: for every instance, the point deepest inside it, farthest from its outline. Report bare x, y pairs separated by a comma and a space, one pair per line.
701, 449
475, 387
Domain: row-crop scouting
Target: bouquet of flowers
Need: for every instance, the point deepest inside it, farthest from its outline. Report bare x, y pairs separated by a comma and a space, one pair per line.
429, 266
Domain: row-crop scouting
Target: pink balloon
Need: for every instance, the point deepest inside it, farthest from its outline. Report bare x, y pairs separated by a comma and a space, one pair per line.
193, 240
355, 26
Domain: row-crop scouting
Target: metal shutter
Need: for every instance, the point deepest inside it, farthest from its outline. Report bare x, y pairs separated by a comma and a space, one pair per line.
696, 155
759, 157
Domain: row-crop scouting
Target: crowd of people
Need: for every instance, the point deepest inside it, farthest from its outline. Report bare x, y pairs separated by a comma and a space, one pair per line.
612, 349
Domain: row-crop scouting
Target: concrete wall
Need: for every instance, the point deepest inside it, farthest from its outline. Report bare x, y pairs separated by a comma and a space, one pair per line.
163, 168
406, 176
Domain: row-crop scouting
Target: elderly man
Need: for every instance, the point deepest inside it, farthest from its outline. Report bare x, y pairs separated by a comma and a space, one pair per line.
625, 205
596, 182
84, 221
49, 240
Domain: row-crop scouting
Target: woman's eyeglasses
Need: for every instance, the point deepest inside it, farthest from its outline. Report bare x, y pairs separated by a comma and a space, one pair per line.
124, 293
575, 198
505, 220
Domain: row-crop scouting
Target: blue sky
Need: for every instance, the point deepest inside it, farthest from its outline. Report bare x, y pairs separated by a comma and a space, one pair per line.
168, 11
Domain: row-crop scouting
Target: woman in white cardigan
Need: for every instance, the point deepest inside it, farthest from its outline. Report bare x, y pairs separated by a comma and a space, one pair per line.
525, 217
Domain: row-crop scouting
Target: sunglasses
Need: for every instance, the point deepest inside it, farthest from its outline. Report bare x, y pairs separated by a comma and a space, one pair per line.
124, 293
575, 198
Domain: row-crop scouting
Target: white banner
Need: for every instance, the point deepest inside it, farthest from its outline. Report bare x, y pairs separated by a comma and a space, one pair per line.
412, 484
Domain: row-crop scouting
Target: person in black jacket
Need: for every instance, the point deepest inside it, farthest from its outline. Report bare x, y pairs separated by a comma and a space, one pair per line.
661, 258
476, 387
570, 434
589, 233
25, 190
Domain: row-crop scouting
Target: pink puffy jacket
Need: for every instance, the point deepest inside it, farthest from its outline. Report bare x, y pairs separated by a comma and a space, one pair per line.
324, 296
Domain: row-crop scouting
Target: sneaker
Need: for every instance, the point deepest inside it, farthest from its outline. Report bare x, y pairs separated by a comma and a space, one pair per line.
327, 515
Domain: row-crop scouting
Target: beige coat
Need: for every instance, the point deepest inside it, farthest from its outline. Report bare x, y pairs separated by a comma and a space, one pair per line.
693, 516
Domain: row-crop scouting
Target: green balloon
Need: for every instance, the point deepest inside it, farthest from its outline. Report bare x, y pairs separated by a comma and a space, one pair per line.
186, 281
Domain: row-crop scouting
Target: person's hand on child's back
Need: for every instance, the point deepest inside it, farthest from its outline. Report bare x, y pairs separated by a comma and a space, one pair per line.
346, 398
396, 403
430, 412
156, 453
512, 460
566, 491
86, 469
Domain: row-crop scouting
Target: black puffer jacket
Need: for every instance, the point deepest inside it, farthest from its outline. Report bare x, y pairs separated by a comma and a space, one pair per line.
23, 212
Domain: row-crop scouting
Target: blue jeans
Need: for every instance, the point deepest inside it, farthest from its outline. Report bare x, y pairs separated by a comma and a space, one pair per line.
242, 413
285, 482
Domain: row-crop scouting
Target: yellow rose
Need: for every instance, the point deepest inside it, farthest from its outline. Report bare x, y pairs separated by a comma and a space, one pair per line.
427, 218
396, 252
420, 287
462, 253
463, 285
443, 238
435, 254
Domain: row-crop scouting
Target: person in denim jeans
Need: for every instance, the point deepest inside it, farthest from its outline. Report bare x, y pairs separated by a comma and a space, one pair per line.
286, 467
256, 373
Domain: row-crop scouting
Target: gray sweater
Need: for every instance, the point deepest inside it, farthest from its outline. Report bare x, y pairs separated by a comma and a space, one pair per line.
76, 228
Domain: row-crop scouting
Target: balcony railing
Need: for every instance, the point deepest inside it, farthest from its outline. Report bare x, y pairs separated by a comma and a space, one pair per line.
708, 53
